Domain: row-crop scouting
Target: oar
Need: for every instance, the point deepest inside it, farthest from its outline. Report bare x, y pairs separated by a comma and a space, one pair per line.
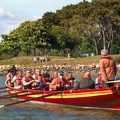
3, 87
55, 93
6, 90
2, 91
113, 81
13, 96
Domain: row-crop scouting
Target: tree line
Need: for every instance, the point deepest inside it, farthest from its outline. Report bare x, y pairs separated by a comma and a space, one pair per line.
86, 27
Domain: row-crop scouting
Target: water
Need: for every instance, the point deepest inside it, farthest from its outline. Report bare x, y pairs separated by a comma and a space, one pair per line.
27, 111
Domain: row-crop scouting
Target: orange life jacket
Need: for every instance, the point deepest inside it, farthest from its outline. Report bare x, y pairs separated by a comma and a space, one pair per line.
53, 77
61, 83
109, 67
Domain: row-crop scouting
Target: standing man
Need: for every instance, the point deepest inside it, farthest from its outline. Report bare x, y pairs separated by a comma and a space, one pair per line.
108, 68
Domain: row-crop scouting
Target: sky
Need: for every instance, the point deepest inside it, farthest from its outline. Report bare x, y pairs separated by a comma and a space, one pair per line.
14, 12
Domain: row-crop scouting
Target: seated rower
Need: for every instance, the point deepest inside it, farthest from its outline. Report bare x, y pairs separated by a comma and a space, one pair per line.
9, 77
55, 75
13, 68
86, 82
37, 77
27, 80
44, 82
59, 83
17, 80
70, 79
98, 81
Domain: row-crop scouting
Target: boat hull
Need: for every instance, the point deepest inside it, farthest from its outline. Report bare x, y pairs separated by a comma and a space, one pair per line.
91, 98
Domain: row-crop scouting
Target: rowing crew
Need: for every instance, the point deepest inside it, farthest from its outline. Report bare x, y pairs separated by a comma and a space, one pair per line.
40, 81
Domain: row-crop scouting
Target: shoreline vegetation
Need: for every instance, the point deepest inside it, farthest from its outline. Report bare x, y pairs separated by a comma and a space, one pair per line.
77, 65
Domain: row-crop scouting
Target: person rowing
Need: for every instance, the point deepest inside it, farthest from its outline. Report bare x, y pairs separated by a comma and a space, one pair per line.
27, 80
59, 83
85, 83
45, 81
98, 81
54, 75
9, 78
37, 77
70, 79
17, 80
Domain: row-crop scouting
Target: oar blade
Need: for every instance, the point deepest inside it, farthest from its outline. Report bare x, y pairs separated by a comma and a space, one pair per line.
2, 106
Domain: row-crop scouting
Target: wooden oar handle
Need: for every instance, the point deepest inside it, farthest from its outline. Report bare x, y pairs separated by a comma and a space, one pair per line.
115, 81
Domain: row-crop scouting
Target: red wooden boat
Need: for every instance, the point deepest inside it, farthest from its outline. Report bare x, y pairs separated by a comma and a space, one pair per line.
104, 98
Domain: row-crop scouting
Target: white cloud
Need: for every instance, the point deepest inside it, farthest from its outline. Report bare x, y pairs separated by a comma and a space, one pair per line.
8, 15
36, 17
10, 21
14, 12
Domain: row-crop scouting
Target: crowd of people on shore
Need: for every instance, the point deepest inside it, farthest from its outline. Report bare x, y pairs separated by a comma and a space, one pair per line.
58, 80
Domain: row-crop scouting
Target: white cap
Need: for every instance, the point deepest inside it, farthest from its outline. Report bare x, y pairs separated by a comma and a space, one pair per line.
104, 52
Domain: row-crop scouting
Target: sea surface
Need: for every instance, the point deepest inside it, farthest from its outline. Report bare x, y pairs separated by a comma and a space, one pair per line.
29, 111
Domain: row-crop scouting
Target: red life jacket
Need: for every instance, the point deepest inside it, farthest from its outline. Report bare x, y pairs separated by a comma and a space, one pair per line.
37, 75
19, 79
28, 79
45, 81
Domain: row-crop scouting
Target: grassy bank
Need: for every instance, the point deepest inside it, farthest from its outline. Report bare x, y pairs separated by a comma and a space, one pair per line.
28, 60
